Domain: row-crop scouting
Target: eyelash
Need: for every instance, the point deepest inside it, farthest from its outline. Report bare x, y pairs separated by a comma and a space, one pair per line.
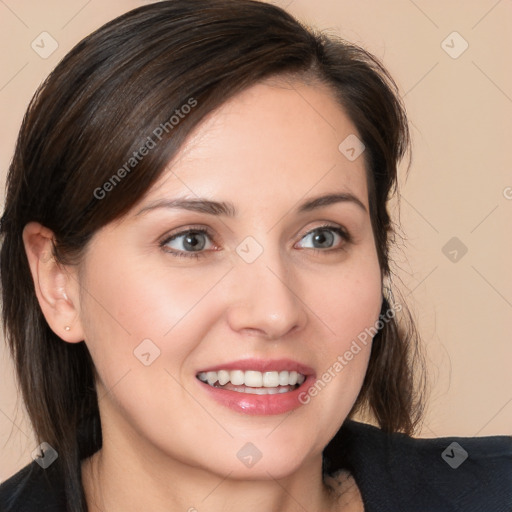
345, 235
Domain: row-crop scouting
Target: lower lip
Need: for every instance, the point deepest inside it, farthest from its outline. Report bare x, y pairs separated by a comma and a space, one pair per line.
262, 405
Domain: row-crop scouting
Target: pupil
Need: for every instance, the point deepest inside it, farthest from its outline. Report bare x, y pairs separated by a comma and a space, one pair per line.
321, 239
192, 242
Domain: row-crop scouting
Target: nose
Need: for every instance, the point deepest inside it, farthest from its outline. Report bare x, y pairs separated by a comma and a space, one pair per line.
265, 300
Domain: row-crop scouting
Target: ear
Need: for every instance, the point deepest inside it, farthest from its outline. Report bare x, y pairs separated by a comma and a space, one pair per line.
56, 286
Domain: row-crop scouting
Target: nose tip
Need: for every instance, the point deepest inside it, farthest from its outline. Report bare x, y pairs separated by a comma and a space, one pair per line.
265, 304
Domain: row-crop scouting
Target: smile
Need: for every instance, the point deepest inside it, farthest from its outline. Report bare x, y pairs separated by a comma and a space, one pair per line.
257, 386
253, 382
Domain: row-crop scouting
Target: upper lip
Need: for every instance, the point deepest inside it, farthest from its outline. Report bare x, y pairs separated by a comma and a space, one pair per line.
262, 365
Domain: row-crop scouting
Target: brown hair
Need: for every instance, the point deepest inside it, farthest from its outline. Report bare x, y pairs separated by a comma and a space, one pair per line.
100, 105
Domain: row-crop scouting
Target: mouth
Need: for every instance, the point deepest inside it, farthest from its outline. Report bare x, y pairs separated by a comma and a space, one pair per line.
257, 387
253, 382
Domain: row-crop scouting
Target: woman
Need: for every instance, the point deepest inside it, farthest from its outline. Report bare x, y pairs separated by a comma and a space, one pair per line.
196, 279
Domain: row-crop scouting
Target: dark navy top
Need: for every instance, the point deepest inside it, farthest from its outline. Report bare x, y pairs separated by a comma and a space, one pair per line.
394, 473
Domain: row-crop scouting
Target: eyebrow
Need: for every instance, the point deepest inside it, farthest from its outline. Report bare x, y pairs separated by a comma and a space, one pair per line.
228, 209
326, 200
195, 205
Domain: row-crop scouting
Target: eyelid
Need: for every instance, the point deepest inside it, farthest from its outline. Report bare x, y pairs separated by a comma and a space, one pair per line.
185, 229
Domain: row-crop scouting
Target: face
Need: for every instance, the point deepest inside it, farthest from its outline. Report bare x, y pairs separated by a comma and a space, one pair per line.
251, 280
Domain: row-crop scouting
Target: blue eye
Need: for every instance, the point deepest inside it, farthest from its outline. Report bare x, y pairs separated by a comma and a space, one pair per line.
325, 237
188, 243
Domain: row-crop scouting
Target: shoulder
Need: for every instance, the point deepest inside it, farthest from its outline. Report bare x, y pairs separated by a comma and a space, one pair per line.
33, 489
397, 472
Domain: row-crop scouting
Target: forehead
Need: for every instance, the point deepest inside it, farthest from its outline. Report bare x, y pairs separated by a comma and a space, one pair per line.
277, 138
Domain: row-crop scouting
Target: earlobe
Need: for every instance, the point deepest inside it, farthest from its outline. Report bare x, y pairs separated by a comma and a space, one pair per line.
55, 285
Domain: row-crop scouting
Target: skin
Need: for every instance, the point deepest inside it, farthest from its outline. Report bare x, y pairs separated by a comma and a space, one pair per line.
266, 151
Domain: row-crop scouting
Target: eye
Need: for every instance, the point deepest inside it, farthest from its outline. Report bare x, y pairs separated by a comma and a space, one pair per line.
324, 237
188, 243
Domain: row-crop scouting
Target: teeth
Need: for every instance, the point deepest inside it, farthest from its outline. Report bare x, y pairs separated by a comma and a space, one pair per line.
262, 391
271, 379
253, 379
223, 376
237, 377
211, 378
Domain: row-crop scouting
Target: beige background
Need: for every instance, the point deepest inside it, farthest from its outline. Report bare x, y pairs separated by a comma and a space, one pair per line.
460, 182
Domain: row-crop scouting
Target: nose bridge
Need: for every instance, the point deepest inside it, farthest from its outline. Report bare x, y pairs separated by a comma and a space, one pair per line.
265, 299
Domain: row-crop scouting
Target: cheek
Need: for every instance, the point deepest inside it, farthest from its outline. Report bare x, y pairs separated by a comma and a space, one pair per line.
349, 300
349, 304
131, 301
